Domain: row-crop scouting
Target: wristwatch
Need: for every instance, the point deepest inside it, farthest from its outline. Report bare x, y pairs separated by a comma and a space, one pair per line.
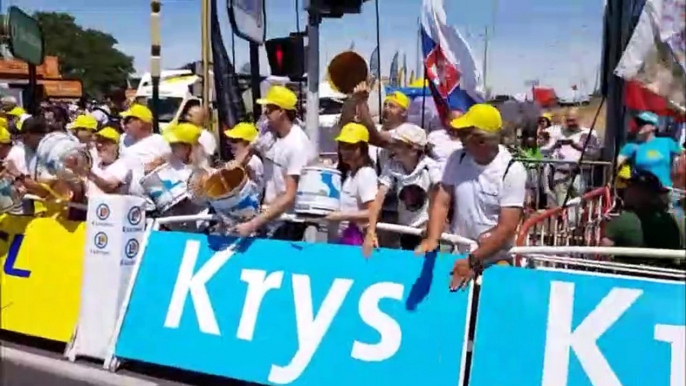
475, 264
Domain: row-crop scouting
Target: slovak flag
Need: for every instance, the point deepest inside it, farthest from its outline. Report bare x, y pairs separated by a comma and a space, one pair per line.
454, 79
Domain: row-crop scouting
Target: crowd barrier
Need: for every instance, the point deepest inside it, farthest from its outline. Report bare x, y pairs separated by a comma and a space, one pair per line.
275, 312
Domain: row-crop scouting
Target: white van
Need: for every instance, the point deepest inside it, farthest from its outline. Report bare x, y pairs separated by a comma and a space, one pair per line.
176, 89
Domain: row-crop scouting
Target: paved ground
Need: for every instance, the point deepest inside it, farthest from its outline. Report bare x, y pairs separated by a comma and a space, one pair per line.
40, 363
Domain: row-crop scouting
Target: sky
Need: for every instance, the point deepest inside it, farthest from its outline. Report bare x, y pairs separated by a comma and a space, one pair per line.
555, 42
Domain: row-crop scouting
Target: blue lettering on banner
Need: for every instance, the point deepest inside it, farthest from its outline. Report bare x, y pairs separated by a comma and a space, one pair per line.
554, 328
275, 312
12, 254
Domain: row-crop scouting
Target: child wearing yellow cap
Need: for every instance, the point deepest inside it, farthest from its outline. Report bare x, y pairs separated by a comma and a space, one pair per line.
240, 137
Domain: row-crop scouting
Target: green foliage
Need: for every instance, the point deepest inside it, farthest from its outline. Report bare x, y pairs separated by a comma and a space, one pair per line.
85, 54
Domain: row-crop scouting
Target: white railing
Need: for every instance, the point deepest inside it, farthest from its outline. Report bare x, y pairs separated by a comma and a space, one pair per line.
447, 237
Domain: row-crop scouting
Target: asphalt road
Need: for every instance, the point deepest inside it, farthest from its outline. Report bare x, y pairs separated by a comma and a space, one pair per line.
13, 374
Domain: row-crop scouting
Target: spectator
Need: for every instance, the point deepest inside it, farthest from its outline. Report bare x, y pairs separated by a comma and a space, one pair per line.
484, 188
410, 175
646, 221
240, 137
650, 153
568, 145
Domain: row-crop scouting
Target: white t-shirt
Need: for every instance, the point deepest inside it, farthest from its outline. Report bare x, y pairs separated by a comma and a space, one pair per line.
567, 152
140, 153
255, 164
443, 144
426, 173
355, 191
20, 157
286, 157
479, 191
117, 171
208, 143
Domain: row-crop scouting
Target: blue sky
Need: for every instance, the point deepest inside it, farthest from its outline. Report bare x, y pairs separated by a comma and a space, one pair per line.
557, 42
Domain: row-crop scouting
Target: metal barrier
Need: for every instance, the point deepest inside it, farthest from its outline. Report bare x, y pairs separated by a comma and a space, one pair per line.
548, 180
578, 223
580, 258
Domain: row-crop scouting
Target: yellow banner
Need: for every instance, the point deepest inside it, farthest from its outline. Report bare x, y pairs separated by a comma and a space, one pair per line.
42, 264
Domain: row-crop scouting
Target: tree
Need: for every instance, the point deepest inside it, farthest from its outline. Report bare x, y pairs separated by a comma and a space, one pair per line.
85, 54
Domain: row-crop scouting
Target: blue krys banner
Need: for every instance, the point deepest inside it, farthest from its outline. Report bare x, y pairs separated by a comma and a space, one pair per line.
275, 312
554, 328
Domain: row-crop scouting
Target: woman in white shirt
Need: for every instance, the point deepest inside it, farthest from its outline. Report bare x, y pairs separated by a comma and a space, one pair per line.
359, 185
240, 137
84, 128
109, 174
410, 174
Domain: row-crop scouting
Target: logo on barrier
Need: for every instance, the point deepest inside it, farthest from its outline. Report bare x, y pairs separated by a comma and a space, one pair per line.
102, 212
131, 249
134, 215
100, 240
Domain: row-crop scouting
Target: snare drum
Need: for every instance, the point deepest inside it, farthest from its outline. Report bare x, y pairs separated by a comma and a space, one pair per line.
319, 191
10, 197
166, 186
231, 193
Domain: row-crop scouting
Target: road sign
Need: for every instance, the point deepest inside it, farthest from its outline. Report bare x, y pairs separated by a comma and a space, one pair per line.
26, 37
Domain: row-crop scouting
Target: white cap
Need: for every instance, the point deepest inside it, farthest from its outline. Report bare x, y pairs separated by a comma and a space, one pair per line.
411, 134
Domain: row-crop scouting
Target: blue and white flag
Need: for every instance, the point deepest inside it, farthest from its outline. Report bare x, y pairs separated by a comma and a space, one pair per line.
374, 68
454, 78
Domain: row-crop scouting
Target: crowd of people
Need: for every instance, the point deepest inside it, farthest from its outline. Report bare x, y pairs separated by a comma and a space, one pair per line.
459, 177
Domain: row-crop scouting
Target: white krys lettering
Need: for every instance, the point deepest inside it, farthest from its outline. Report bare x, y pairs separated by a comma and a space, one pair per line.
258, 286
676, 337
388, 328
311, 328
560, 338
187, 282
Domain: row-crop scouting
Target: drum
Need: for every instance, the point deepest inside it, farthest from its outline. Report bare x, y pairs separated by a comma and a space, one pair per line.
319, 191
231, 193
165, 186
10, 197
52, 152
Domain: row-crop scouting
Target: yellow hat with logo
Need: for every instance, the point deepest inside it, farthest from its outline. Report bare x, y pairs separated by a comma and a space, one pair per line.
87, 122
5, 137
138, 111
481, 116
353, 133
245, 131
16, 111
109, 133
399, 99
187, 133
280, 96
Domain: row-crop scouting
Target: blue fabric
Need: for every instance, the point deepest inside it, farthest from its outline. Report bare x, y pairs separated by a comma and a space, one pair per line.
654, 156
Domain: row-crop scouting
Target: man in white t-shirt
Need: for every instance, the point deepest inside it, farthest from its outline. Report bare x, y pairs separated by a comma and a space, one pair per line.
568, 143
198, 115
283, 162
445, 141
143, 151
484, 188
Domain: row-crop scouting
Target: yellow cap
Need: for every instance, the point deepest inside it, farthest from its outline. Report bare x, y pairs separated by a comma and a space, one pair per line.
109, 133
481, 116
87, 122
280, 96
353, 133
244, 131
399, 99
187, 133
3, 122
548, 116
138, 111
5, 137
16, 111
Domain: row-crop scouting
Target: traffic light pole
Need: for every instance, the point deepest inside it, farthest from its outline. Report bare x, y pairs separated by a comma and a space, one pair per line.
312, 107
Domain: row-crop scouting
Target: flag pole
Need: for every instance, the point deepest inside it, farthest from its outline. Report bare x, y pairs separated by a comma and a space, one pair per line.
378, 62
